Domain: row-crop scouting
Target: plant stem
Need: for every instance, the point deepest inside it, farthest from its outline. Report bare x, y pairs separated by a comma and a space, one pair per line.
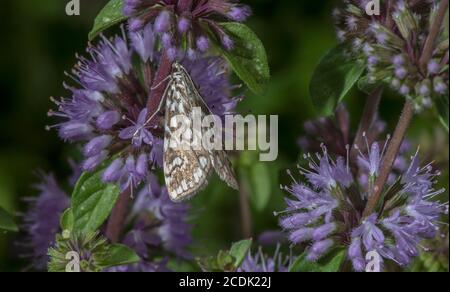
407, 115
246, 216
369, 117
428, 49
159, 85
118, 217
390, 156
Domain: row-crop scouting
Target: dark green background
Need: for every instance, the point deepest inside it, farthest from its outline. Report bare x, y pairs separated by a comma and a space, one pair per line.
38, 43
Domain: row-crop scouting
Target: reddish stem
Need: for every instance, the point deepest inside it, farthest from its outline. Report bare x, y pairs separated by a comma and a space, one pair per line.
390, 156
428, 49
159, 85
118, 217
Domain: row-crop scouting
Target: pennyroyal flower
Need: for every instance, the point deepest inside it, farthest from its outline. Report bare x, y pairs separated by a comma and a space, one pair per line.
392, 45
108, 109
186, 22
326, 210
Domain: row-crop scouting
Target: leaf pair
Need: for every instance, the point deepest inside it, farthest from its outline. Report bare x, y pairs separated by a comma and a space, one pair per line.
92, 203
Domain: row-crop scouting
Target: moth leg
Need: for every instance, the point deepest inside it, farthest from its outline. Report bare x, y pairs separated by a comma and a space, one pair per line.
160, 106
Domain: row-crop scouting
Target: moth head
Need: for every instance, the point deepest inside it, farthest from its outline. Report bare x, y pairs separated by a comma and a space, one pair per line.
177, 67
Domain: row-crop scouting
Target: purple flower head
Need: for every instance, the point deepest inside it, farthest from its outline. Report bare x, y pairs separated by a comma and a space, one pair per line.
392, 44
187, 21
108, 112
326, 209
260, 263
159, 223
159, 226
41, 222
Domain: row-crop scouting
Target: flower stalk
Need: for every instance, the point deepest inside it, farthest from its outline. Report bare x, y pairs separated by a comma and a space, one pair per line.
118, 217
246, 216
433, 35
390, 156
159, 85
406, 116
369, 117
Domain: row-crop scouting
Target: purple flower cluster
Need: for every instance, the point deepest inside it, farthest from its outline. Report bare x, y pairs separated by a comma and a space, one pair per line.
326, 211
392, 45
179, 22
41, 222
108, 109
261, 263
159, 226
335, 132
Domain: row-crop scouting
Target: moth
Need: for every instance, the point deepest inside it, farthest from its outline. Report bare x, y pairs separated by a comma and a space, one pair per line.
187, 169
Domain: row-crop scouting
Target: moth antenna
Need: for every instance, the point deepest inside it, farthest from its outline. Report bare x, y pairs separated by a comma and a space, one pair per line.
161, 82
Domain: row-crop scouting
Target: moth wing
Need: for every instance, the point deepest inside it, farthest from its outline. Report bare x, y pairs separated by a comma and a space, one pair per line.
219, 158
186, 170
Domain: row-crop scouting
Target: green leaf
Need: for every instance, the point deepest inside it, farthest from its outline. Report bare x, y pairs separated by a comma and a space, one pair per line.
6, 221
260, 179
67, 220
182, 266
109, 16
443, 109
239, 251
248, 59
223, 262
119, 255
332, 79
226, 261
329, 264
92, 202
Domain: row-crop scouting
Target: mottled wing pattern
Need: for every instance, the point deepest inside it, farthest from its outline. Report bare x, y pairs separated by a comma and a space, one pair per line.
224, 169
186, 169
219, 158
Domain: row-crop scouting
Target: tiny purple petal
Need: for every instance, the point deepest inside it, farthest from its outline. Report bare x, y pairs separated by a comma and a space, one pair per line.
162, 22
434, 67
203, 44
227, 43
183, 25
239, 13
75, 131
107, 120
142, 165
135, 24
323, 231
92, 163
401, 73
301, 235
114, 171
97, 145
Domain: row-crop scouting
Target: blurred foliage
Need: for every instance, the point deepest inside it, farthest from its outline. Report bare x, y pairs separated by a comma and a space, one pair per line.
39, 42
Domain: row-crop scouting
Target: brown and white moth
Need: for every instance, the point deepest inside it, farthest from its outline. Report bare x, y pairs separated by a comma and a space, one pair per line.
187, 168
